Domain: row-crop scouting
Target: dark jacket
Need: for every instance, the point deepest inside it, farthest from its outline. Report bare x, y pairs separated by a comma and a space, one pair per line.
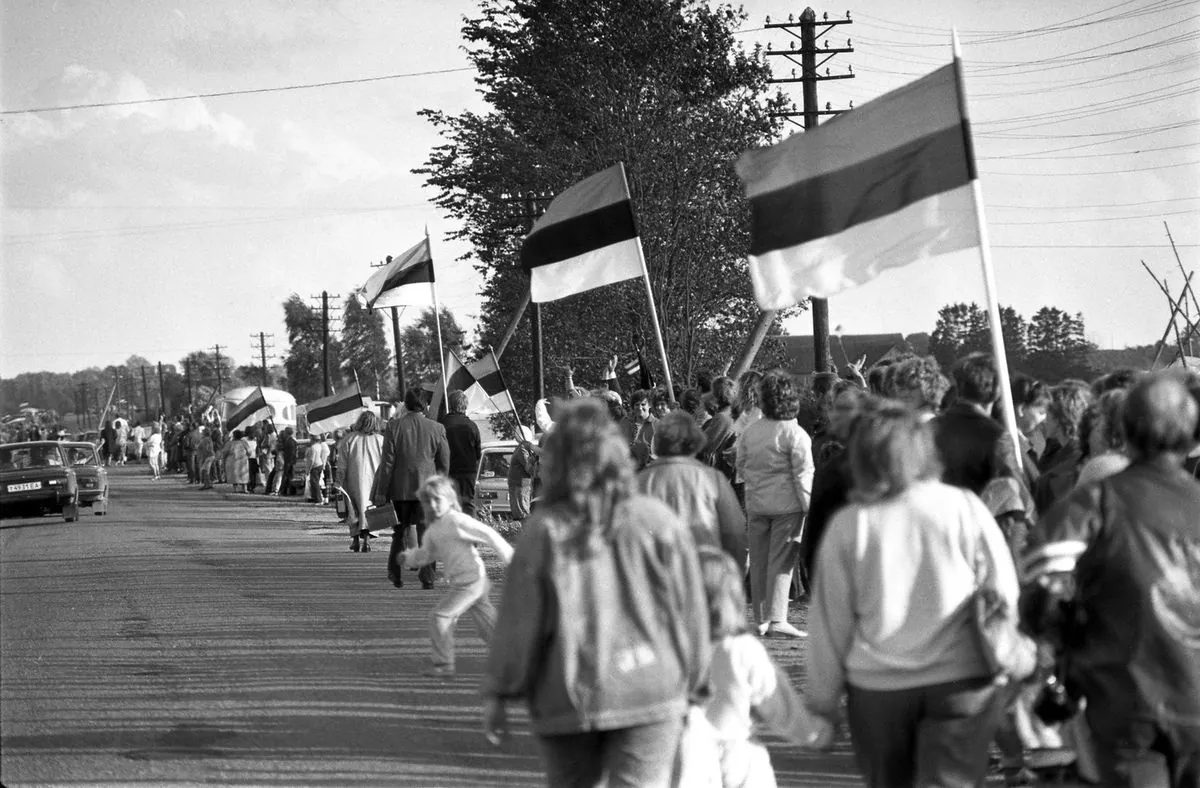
465, 447
718, 448
974, 448
1132, 544
831, 491
1057, 478
600, 632
414, 448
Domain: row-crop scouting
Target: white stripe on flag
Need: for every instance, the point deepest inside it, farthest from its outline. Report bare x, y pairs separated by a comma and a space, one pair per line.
418, 295
822, 267
605, 266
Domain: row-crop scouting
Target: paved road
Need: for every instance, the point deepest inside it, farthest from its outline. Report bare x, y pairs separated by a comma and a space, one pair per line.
202, 637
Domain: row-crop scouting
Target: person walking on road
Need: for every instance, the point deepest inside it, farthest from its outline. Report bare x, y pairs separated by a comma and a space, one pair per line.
603, 628
359, 454
287, 456
317, 458
465, 449
414, 448
154, 452
451, 538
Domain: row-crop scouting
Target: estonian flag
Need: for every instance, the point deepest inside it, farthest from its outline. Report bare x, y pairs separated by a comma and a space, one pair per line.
585, 239
480, 380
249, 411
879, 187
335, 412
406, 280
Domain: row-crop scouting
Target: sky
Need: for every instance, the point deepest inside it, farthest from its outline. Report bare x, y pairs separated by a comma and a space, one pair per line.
155, 227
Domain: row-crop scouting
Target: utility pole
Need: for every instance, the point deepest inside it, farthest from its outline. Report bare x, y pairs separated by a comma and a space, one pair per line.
809, 76
262, 352
145, 396
533, 205
162, 393
535, 316
187, 370
217, 359
326, 382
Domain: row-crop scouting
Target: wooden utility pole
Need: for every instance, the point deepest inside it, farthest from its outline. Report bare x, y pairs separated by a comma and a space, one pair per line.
399, 350
145, 395
220, 382
261, 346
811, 112
187, 371
535, 315
162, 393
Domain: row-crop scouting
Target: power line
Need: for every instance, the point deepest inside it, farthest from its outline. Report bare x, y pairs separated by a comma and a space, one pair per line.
250, 91
1098, 172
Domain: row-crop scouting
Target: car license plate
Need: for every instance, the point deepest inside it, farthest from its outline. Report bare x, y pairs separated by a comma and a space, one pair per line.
25, 486
488, 495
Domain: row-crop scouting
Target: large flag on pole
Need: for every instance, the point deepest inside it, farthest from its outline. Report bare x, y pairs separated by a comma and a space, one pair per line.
882, 186
252, 409
406, 281
335, 412
585, 239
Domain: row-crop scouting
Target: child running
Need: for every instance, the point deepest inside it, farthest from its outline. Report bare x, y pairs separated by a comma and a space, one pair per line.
720, 745
451, 538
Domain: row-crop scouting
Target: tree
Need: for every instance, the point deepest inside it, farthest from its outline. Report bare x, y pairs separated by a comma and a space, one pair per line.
966, 328
422, 360
1057, 346
305, 360
575, 86
365, 349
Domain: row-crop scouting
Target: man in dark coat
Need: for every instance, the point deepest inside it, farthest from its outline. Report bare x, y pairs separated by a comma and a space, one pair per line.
973, 446
466, 449
414, 448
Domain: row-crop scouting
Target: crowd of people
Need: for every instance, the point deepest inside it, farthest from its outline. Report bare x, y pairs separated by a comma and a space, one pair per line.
665, 535
892, 500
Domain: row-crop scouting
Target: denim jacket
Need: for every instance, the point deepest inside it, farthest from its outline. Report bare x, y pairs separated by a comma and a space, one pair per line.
601, 631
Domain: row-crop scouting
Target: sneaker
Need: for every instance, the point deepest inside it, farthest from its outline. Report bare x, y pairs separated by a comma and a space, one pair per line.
439, 672
784, 629
764, 628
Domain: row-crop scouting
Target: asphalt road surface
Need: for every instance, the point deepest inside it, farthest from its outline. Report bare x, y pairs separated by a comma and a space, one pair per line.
206, 637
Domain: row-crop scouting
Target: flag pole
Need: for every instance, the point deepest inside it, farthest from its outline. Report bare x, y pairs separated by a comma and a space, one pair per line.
512, 405
662, 350
437, 321
985, 258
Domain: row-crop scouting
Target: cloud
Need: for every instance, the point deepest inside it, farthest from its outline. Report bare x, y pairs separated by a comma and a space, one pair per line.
251, 38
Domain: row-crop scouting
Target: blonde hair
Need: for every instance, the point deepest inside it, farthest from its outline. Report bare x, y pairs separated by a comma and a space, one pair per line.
891, 449
586, 463
439, 486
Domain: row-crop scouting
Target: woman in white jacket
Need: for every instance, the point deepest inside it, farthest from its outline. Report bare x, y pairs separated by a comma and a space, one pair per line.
892, 615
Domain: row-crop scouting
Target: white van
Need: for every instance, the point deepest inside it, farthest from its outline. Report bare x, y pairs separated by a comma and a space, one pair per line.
281, 404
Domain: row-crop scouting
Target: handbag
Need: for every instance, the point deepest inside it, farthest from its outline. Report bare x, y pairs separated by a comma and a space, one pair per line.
379, 518
341, 502
1010, 654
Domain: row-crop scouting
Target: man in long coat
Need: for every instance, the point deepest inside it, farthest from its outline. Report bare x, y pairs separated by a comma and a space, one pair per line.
414, 448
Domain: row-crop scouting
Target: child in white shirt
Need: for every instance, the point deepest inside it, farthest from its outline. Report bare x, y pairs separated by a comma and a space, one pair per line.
451, 538
720, 746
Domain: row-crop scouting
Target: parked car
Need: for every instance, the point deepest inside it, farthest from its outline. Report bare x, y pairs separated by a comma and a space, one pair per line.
35, 477
90, 475
91, 436
491, 480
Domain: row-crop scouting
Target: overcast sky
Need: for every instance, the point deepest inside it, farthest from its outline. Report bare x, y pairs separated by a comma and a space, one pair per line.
165, 227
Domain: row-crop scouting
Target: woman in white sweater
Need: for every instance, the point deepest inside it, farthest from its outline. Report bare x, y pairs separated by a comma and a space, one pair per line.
892, 617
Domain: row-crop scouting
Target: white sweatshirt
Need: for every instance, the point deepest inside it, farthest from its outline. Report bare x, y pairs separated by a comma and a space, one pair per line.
451, 539
893, 590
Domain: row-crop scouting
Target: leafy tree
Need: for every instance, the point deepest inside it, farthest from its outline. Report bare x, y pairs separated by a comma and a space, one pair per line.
575, 86
1057, 346
422, 359
365, 348
965, 328
305, 360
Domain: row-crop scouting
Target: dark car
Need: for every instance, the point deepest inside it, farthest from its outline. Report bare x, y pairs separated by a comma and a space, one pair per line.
36, 478
90, 475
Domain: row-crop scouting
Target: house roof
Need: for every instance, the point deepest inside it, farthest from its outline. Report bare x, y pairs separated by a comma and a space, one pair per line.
798, 349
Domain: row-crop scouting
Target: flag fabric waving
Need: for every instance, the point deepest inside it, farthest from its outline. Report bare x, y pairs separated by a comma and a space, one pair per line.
480, 380
638, 367
405, 281
879, 187
335, 412
585, 239
250, 410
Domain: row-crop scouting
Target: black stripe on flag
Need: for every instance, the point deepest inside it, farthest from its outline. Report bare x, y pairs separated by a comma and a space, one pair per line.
492, 383
421, 273
578, 235
252, 403
460, 379
831, 202
351, 402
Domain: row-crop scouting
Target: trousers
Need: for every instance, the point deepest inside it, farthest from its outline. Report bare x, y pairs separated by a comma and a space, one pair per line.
471, 600
774, 550
637, 757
